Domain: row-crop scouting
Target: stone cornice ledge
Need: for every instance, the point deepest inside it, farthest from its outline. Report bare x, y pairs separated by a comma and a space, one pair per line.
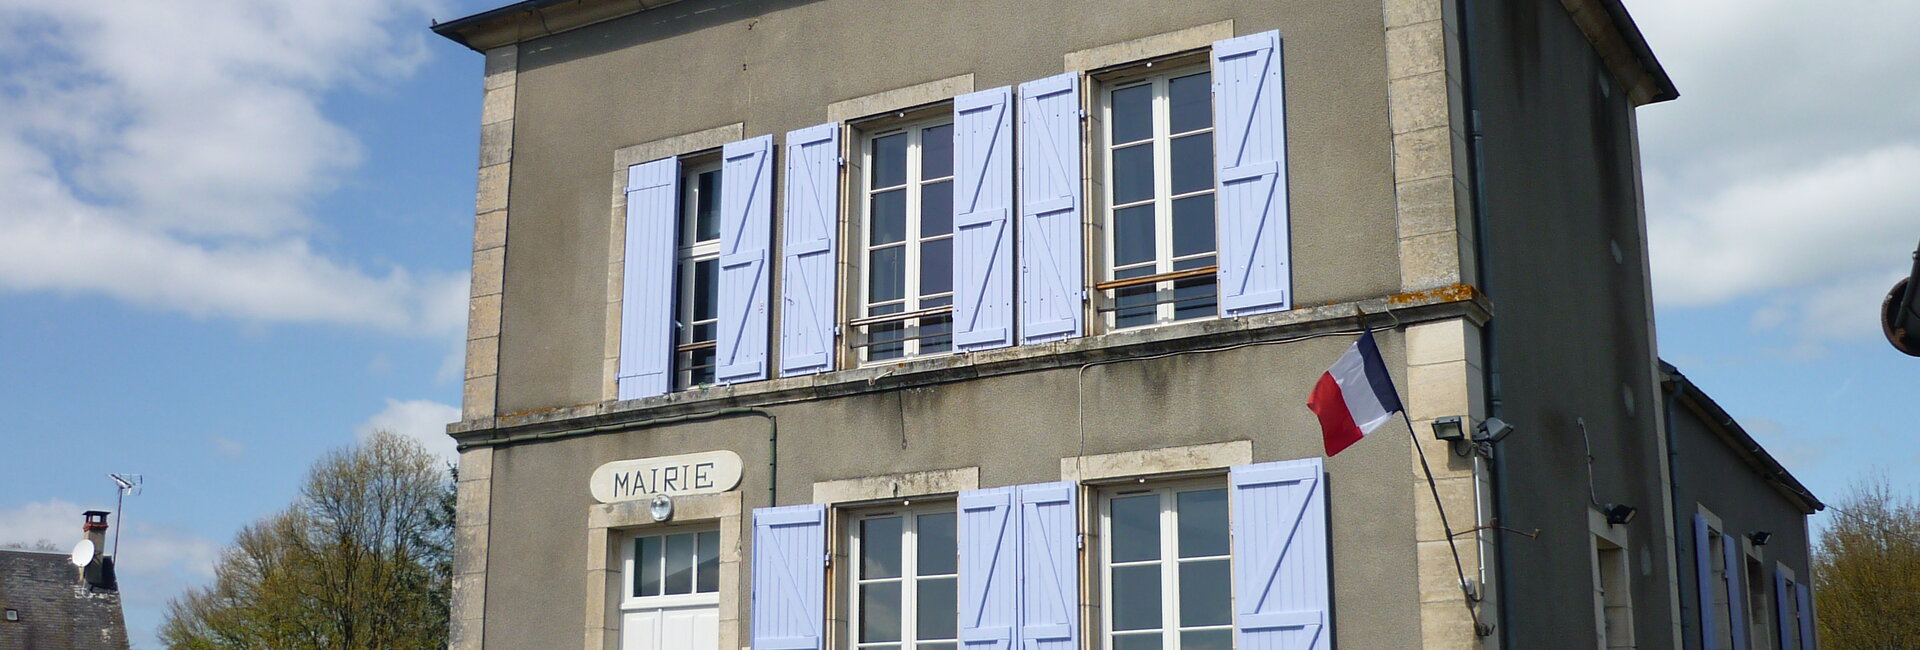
1399, 309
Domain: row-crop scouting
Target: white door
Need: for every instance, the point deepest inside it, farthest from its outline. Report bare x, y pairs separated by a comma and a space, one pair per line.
672, 599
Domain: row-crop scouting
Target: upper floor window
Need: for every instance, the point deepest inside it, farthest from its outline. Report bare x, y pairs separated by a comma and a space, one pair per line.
1158, 154
696, 309
1167, 565
907, 251
905, 591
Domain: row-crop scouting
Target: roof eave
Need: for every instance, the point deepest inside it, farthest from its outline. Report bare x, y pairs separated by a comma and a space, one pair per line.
1743, 444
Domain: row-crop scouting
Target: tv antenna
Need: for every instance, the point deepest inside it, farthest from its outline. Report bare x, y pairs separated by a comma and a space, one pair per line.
130, 485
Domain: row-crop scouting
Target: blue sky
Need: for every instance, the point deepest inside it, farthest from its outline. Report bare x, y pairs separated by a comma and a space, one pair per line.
235, 235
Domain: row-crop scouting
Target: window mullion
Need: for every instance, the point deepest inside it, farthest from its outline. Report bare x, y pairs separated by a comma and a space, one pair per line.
1169, 571
911, 347
1162, 189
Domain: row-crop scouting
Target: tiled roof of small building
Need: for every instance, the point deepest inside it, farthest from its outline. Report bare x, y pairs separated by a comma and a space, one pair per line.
54, 609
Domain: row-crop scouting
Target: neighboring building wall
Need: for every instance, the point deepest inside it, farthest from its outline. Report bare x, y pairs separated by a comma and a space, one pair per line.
1565, 259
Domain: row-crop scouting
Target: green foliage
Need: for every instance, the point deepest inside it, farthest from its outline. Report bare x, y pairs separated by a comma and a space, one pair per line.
1867, 571
362, 559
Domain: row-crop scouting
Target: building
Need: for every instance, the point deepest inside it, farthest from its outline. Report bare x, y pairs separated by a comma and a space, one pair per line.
920, 324
49, 604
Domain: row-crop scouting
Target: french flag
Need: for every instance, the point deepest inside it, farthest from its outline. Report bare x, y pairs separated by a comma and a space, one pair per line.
1354, 397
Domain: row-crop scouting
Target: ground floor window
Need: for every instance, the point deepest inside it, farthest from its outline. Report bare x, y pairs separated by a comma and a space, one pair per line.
1167, 568
906, 577
671, 590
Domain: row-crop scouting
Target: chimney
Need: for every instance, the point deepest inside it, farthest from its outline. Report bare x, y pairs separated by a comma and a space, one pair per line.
99, 571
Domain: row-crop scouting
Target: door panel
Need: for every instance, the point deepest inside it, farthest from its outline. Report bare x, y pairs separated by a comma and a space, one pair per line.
674, 628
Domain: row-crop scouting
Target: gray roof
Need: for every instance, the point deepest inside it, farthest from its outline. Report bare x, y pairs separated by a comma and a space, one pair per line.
57, 610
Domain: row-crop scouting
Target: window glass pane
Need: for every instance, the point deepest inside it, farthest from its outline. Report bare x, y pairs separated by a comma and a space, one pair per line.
888, 222
880, 547
885, 338
936, 608
1137, 641
936, 151
706, 214
704, 332
1190, 104
706, 289
1203, 522
936, 267
1133, 306
890, 160
1193, 225
646, 560
1207, 640
938, 551
1203, 593
1133, 235
1133, 114
887, 274
700, 366
1136, 528
934, 646
936, 331
707, 549
1194, 297
1133, 174
1192, 163
679, 578
936, 209
1136, 597
880, 612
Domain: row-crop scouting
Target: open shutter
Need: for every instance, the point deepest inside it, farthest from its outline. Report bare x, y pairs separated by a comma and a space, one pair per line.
646, 298
989, 566
1049, 567
789, 577
1736, 592
746, 200
807, 274
1280, 556
1804, 599
1703, 577
983, 220
1052, 284
1250, 158
1782, 614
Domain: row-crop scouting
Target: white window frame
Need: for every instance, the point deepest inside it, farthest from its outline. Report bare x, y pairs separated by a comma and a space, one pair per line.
1169, 559
688, 253
911, 300
1163, 198
1607, 542
909, 573
630, 602
1753, 578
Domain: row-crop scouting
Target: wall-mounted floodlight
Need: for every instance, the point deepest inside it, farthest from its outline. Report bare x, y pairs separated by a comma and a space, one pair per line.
1448, 429
1759, 537
1620, 514
1493, 430
1452, 429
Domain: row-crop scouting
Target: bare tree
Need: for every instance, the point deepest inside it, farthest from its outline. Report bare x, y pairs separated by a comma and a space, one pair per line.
1867, 571
45, 545
362, 559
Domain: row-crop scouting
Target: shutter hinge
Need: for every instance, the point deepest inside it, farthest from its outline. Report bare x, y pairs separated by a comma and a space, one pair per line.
827, 560
840, 161
1083, 113
1080, 541
836, 330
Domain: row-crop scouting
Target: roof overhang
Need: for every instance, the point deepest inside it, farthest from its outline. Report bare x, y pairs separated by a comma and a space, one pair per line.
1623, 49
530, 19
1736, 437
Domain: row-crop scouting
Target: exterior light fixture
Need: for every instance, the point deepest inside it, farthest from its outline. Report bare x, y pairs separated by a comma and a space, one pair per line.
1759, 537
1620, 514
1453, 429
661, 508
1492, 430
1448, 429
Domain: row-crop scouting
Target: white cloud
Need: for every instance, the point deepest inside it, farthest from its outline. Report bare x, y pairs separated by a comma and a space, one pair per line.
167, 154
422, 420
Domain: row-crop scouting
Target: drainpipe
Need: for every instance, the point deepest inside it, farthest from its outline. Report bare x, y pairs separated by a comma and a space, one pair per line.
1491, 377
1681, 522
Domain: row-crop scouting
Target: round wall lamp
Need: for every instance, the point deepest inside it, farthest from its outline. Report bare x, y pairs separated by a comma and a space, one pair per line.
661, 508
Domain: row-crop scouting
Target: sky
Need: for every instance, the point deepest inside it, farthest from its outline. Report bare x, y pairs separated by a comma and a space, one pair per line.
234, 235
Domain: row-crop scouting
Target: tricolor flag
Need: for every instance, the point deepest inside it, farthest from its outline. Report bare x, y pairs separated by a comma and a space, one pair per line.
1354, 397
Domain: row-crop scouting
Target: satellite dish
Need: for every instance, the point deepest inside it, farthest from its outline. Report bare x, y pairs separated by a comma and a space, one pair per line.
83, 553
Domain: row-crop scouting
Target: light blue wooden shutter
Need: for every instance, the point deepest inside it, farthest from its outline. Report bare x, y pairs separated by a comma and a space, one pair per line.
1280, 556
1049, 567
789, 577
1804, 599
1736, 592
1052, 284
1782, 618
807, 276
1703, 576
989, 569
746, 201
1250, 158
646, 298
982, 220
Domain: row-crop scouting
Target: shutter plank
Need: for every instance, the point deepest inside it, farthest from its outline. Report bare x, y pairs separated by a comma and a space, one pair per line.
1281, 591
1052, 280
989, 565
807, 269
646, 297
1250, 158
789, 577
746, 230
982, 205
1049, 567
